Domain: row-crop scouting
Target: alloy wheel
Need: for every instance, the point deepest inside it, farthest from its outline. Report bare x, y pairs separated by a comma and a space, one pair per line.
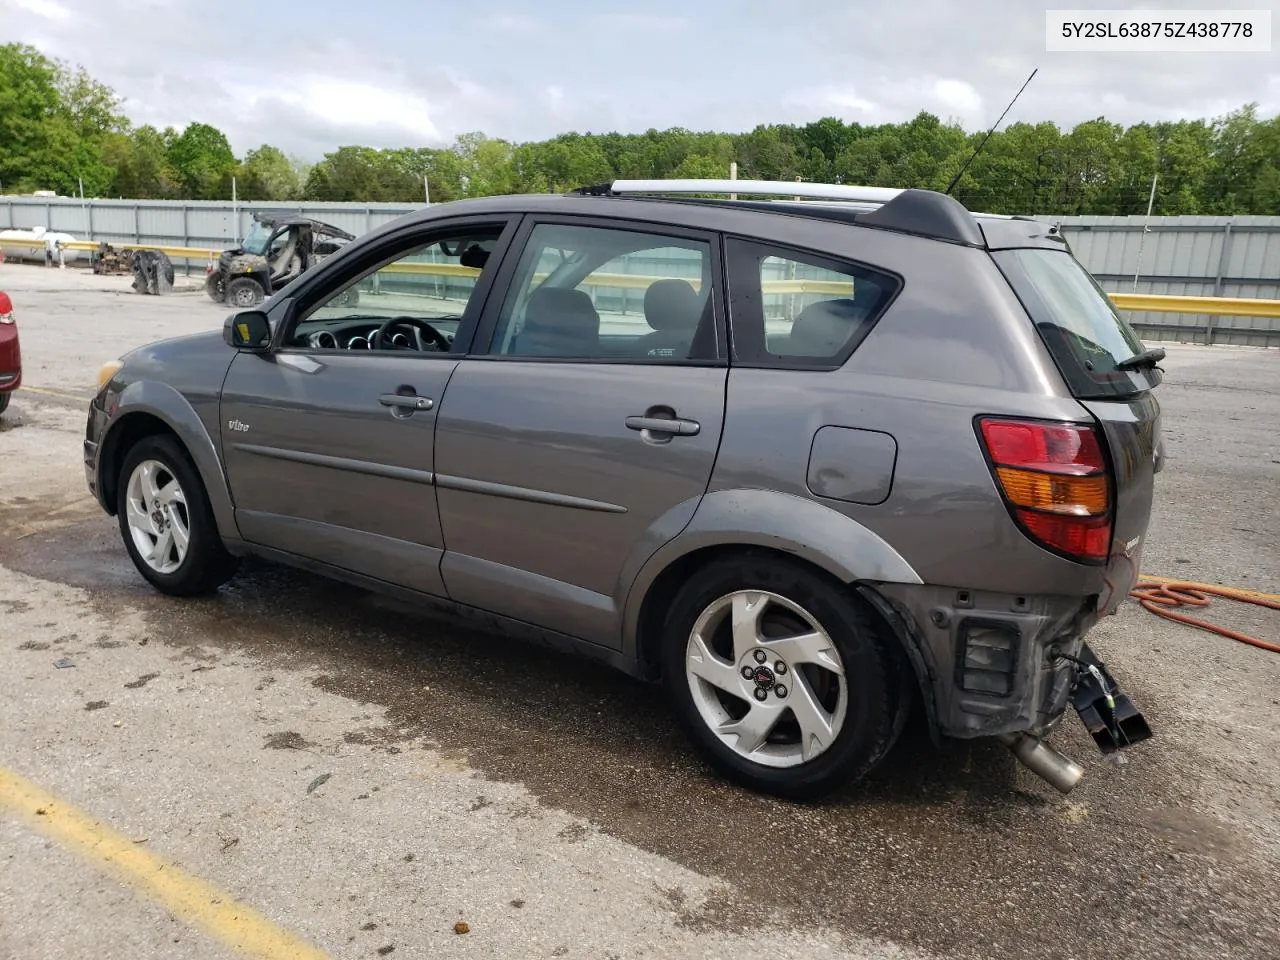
158, 517
766, 678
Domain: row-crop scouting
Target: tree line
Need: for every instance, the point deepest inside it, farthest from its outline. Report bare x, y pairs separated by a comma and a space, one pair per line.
60, 128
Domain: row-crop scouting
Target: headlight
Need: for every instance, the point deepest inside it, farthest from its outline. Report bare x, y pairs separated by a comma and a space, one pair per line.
107, 371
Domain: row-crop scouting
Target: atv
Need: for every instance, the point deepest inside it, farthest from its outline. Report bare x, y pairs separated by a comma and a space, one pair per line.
277, 250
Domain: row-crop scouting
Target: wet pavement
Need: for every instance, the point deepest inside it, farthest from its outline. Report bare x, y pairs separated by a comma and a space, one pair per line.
957, 851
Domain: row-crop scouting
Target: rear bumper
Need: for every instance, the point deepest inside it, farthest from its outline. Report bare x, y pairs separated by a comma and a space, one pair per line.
987, 661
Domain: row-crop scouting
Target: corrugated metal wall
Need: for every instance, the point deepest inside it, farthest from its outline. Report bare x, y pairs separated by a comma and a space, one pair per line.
1194, 256
1186, 256
177, 223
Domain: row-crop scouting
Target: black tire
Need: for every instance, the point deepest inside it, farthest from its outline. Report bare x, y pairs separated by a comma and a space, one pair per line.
244, 293
4, 401
871, 670
216, 288
207, 564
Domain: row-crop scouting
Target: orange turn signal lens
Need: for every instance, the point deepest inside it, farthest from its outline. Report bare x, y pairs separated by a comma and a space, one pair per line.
1055, 493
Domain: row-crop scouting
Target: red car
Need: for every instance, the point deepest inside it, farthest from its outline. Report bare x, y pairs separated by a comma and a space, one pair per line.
10, 353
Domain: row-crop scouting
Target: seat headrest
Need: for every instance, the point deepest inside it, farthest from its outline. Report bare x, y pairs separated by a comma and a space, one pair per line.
671, 305
559, 322
823, 328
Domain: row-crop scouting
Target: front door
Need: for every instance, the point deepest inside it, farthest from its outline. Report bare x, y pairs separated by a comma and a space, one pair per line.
328, 439
584, 436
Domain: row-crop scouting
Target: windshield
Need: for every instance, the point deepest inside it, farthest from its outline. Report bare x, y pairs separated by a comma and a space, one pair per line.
1078, 322
256, 240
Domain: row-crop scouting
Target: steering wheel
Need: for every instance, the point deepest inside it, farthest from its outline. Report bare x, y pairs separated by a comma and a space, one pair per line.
419, 326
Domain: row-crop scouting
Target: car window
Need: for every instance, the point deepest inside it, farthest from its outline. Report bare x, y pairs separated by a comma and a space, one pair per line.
425, 291
796, 308
1077, 321
611, 294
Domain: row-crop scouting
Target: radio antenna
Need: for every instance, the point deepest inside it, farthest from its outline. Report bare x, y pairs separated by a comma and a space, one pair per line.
956, 179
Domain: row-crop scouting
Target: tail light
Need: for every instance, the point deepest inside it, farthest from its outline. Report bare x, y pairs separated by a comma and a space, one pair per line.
6, 308
1054, 479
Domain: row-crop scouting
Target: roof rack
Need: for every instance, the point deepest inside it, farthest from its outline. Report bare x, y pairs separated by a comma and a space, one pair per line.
922, 212
764, 188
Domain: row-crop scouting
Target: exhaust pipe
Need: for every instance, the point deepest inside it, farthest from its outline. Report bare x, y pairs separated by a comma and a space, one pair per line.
1061, 772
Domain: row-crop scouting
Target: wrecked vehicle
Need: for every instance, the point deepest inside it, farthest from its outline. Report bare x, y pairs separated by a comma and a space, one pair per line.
276, 251
152, 272
851, 461
108, 261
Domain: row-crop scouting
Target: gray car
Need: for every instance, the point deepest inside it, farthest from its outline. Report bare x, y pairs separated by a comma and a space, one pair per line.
809, 463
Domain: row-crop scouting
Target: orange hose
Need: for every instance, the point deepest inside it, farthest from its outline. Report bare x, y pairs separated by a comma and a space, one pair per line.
1158, 594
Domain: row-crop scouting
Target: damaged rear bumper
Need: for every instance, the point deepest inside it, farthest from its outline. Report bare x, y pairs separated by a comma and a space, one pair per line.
991, 661
1009, 667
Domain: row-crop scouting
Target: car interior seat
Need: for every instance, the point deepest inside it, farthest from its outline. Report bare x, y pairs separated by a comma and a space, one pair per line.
672, 309
558, 323
824, 328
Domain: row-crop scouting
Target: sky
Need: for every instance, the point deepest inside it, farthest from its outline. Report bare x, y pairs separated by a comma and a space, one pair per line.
313, 75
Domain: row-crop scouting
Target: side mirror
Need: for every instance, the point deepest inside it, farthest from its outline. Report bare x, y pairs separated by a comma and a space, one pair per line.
248, 330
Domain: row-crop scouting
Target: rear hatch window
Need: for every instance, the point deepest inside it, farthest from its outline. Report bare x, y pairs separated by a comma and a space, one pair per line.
1079, 324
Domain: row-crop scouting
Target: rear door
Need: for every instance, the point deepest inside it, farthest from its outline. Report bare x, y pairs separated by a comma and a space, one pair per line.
1089, 338
328, 440
581, 436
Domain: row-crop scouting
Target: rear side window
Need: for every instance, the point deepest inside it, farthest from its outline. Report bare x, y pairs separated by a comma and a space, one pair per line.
1077, 321
791, 308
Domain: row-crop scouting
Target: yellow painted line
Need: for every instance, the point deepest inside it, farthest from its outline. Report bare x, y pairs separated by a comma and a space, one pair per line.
198, 902
46, 392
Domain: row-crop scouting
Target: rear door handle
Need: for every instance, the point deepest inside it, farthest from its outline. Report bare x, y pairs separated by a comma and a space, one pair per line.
410, 402
679, 427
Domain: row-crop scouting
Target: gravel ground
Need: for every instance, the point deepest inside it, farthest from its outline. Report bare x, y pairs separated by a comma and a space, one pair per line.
552, 804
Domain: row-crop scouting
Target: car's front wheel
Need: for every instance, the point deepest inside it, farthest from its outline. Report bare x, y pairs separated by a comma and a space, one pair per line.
166, 521
781, 677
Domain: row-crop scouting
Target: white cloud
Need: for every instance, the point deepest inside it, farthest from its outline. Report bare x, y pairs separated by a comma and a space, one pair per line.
514, 23
842, 102
367, 110
48, 9
641, 21
958, 95
404, 75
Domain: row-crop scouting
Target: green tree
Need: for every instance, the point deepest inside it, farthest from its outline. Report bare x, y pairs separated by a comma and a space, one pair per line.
59, 126
54, 123
201, 158
140, 161
699, 166
267, 174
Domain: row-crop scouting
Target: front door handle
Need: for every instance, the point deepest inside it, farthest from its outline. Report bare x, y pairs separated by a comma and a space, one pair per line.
678, 426
410, 402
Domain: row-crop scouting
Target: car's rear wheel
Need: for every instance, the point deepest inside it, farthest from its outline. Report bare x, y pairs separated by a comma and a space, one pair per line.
4, 402
780, 676
244, 293
166, 521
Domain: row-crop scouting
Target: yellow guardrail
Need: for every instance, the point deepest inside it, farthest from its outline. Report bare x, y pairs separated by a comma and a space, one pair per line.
1215, 306
1140, 302
177, 253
